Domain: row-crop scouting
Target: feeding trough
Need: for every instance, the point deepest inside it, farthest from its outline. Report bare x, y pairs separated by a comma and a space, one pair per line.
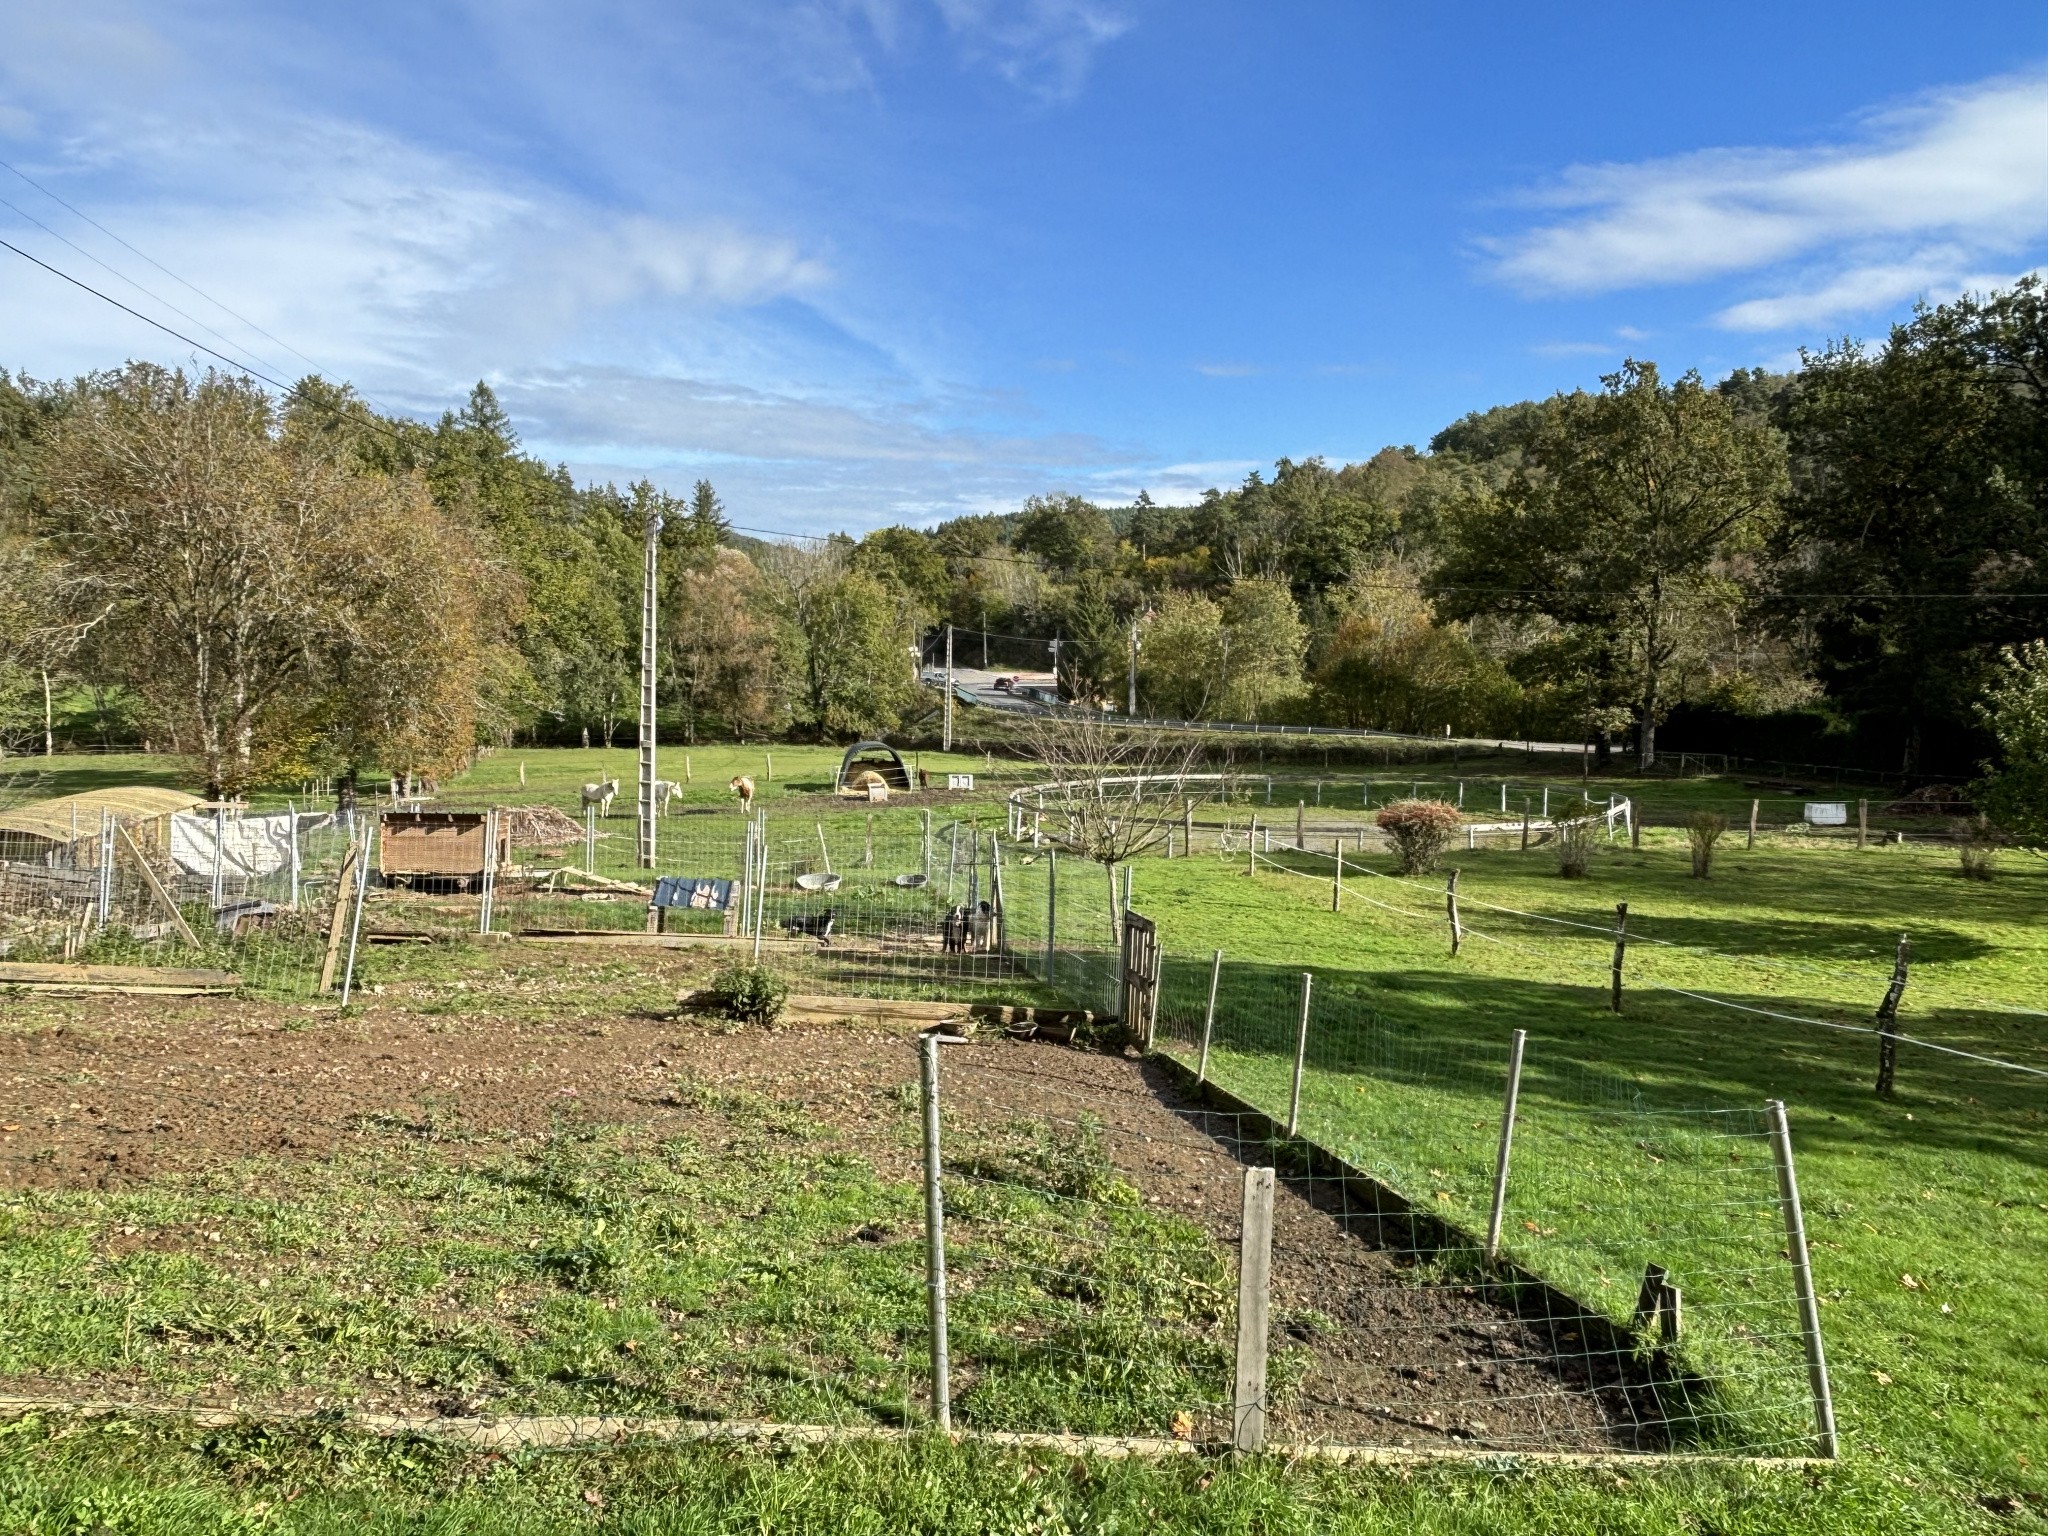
819, 882
913, 882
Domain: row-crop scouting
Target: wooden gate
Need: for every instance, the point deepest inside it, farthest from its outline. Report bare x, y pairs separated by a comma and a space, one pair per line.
1141, 978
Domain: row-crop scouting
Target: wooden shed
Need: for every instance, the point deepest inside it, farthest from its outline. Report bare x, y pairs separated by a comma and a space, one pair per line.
440, 848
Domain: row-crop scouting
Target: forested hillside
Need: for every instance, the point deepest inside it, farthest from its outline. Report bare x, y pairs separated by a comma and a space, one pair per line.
1825, 563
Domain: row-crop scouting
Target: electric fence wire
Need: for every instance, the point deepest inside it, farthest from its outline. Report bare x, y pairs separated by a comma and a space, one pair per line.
1467, 931
1760, 961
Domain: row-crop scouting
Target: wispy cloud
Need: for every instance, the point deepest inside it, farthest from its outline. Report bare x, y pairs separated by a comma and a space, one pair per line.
1043, 46
1924, 196
1227, 370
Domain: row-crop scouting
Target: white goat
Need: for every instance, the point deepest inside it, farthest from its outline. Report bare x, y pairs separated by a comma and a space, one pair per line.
665, 790
601, 794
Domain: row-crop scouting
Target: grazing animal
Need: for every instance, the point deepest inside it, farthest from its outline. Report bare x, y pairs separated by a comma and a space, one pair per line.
744, 788
818, 925
601, 794
665, 790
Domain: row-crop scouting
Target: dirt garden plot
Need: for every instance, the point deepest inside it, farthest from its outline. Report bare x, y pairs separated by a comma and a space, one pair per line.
135, 1130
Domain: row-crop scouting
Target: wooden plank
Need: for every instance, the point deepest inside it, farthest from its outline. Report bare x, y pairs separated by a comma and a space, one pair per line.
113, 977
156, 889
521, 1431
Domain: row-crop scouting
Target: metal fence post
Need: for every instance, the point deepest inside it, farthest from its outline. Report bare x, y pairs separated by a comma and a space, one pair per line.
935, 1235
220, 836
1507, 1144
1802, 1281
760, 883
1052, 912
1300, 1054
1209, 1016
490, 882
589, 838
1254, 1273
297, 866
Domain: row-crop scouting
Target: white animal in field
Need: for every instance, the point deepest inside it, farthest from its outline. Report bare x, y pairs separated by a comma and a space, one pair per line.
744, 788
665, 790
601, 794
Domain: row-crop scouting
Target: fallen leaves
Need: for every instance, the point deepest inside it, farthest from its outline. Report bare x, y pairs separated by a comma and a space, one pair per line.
1909, 1283
1183, 1425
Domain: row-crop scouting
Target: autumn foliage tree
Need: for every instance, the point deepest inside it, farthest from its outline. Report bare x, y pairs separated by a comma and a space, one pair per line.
260, 593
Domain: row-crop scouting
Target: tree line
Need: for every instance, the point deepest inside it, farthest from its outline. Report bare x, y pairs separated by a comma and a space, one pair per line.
281, 586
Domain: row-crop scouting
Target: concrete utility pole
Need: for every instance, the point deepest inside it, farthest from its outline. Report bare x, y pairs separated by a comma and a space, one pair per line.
647, 759
946, 734
1055, 669
1131, 708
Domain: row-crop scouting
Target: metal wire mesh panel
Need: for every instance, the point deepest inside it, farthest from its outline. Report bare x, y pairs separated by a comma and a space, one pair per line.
1633, 1256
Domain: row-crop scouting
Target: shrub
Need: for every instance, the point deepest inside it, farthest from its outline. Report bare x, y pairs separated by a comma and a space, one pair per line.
1978, 847
1575, 843
752, 994
1703, 829
1421, 830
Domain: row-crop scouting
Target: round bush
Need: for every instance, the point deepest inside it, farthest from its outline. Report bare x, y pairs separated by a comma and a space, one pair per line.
752, 994
1421, 830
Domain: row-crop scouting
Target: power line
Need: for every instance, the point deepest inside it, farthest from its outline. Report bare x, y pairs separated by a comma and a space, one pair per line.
116, 272
145, 319
216, 303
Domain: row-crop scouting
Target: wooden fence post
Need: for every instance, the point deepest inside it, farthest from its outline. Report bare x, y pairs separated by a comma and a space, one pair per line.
1753, 805
1254, 1273
1620, 949
1451, 906
1888, 1018
1862, 823
1300, 841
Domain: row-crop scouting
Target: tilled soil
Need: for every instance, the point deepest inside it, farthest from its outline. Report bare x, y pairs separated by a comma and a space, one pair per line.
1371, 1344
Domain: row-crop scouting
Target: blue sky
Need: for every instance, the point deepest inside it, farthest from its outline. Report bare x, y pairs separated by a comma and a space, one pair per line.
863, 261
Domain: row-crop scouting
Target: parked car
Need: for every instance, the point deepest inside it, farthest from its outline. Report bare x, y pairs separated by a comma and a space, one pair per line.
1005, 684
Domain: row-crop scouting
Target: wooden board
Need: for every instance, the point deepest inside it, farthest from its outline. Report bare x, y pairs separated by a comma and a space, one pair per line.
118, 978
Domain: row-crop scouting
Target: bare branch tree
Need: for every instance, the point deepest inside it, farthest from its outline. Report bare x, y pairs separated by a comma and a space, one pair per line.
1100, 775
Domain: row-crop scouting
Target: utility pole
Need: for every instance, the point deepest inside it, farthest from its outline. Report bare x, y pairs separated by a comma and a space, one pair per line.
647, 729
1055, 669
946, 741
1131, 708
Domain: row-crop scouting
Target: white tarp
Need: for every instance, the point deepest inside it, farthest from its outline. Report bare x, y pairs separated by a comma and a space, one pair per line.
249, 845
1827, 813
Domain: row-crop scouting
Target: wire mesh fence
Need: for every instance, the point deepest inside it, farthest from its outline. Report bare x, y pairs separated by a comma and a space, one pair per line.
1642, 1248
213, 900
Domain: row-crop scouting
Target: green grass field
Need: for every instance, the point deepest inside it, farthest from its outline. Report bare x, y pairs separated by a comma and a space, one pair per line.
1941, 1385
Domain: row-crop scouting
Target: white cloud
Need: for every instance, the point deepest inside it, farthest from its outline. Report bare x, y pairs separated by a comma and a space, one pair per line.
1043, 46
1926, 195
